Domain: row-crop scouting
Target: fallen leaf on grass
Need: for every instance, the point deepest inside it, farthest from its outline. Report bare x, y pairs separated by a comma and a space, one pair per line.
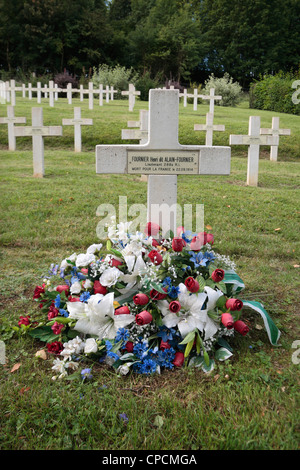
277, 229
296, 265
41, 354
16, 367
23, 390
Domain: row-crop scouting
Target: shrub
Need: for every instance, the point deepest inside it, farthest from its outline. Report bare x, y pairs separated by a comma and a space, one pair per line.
146, 83
62, 80
274, 93
230, 91
119, 77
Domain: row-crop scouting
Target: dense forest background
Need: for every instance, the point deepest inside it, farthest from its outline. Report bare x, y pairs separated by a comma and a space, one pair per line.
171, 39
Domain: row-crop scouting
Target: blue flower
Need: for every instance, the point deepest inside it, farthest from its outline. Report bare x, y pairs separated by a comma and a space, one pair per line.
167, 281
109, 351
199, 259
63, 312
123, 417
166, 358
85, 296
53, 269
86, 374
147, 366
188, 236
140, 349
57, 301
74, 279
62, 272
173, 292
166, 333
122, 335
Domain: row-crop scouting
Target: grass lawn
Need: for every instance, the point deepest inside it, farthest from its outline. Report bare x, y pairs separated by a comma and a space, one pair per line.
249, 402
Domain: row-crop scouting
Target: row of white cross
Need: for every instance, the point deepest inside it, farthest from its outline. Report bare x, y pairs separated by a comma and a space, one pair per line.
158, 131
8, 93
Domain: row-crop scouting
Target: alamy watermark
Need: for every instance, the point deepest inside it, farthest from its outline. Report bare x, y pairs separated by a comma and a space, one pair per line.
189, 216
295, 99
295, 358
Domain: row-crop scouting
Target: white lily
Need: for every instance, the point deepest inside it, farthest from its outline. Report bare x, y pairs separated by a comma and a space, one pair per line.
190, 316
97, 316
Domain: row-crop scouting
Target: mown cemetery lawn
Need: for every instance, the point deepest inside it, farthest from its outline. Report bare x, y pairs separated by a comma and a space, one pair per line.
248, 402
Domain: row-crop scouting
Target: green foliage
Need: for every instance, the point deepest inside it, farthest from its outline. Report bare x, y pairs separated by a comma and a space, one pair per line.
230, 91
118, 76
144, 84
274, 93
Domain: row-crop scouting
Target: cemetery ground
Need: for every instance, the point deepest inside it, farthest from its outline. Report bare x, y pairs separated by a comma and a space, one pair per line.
248, 402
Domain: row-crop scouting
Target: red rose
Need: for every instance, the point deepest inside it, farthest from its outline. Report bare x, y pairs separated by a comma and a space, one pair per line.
152, 229
191, 284
234, 304
24, 321
129, 346
218, 275
38, 291
164, 345
196, 244
140, 299
55, 348
241, 327
174, 306
84, 270
115, 262
178, 244
155, 243
179, 359
73, 299
143, 318
56, 328
122, 310
202, 236
210, 238
52, 313
155, 257
227, 320
99, 289
63, 288
155, 295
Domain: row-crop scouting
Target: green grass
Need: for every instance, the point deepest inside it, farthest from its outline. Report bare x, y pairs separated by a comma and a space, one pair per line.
251, 401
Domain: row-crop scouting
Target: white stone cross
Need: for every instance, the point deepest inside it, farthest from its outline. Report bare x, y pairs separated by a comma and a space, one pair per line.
101, 92
38, 131
194, 95
131, 93
77, 122
51, 90
91, 95
185, 96
253, 140
163, 158
69, 93
107, 92
141, 133
112, 92
212, 98
275, 130
11, 120
209, 127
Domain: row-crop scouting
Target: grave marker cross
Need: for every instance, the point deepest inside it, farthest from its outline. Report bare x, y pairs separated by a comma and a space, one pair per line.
275, 131
11, 120
209, 127
77, 122
38, 131
163, 158
212, 98
253, 140
131, 93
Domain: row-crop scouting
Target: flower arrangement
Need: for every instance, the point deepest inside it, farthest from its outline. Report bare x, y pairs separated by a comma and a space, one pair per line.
142, 303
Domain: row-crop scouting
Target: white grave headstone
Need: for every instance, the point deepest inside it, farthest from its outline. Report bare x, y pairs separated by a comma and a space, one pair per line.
275, 130
253, 140
11, 120
131, 93
209, 127
77, 122
38, 131
163, 158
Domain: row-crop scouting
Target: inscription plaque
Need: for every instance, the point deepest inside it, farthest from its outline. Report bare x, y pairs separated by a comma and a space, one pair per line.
163, 162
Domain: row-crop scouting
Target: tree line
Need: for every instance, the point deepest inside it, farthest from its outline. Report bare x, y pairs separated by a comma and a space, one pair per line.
181, 40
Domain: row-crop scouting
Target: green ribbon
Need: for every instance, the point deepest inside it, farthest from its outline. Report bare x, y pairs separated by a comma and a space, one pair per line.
272, 330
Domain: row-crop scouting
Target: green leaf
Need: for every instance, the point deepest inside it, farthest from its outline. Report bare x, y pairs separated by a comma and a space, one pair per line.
43, 333
188, 348
222, 342
222, 286
222, 354
189, 337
